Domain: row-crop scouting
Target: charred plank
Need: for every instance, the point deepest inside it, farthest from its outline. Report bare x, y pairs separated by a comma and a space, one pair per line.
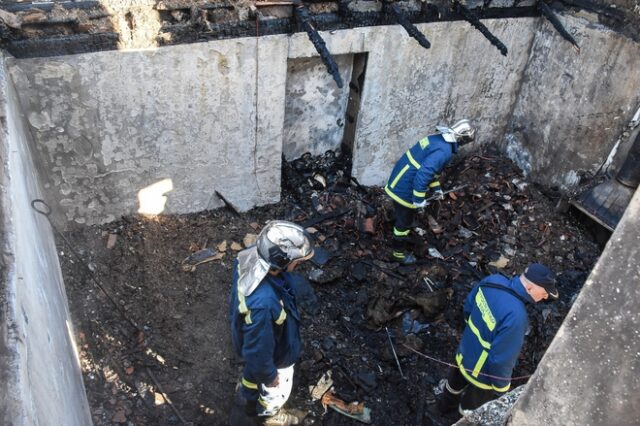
302, 17
471, 18
546, 11
398, 15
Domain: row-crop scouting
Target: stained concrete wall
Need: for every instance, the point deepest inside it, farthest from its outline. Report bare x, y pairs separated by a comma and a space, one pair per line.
409, 90
198, 118
40, 381
212, 115
315, 106
589, 374
572, 107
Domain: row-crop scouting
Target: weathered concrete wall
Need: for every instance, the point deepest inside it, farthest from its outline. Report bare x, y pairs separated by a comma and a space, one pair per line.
315, 106
216, 115
107, 125
571, 107
409, 90
589, 374
40, 381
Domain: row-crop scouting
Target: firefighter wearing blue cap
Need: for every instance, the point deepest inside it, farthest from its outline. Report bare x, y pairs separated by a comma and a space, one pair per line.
496, 317
264, 323
417, 173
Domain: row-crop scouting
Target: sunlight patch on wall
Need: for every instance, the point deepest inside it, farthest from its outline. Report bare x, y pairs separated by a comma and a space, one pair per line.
152, 199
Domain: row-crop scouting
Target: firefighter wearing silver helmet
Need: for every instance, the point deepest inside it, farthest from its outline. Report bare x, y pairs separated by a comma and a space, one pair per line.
264, 323
415, 178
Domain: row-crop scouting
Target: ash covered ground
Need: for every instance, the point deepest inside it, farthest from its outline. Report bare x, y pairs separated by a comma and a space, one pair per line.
162, 333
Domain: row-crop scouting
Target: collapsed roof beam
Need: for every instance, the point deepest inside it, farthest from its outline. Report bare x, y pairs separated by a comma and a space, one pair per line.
546, 11
302, 16
398, 14
471, 18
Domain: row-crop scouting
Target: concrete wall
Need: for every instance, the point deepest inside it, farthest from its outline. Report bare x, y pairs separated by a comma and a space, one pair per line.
409, 90
216, 115
40, 381
315, 106
572, 107
589, 374
108, 125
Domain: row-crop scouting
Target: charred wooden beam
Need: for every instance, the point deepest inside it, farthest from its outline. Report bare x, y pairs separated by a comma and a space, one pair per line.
65, 45
48, 6
302, 16
398, 14
548, 13
471, 18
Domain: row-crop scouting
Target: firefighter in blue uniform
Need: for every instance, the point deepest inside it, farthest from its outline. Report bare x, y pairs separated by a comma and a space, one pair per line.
417, 173
264, 323
497, 321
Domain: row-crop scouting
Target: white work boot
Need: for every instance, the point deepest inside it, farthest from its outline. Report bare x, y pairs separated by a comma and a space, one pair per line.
281, 418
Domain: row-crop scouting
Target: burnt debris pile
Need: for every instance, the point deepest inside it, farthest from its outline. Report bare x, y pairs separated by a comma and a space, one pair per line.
497, 223
365, 319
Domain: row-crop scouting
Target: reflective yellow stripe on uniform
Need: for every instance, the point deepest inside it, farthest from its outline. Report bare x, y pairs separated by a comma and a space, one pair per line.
480, 363
487, 316
242, 308
282, 317
403, 171
412, 160
434, 184
476, 383
248, 384
398, 233
418, 194
398, 199
424, 142
475, 331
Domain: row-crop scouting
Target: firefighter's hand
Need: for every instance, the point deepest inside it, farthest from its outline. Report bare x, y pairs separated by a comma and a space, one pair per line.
422, 204
438, 194
274, 383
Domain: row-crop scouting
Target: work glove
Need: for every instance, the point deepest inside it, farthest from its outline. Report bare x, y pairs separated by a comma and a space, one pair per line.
421, 204
438, 194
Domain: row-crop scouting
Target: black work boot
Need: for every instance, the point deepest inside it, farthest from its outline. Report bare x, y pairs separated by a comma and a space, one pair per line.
243, 412
404, 258
446, 402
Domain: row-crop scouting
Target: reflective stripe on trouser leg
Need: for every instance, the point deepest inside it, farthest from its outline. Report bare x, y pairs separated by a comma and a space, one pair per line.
452, 390
272, 399
400, 242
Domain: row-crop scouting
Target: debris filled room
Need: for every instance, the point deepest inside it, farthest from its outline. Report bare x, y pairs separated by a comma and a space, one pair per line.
147, 145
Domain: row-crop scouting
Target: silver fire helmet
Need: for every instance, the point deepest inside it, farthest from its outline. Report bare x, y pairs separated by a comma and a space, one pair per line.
278, 244
462, 132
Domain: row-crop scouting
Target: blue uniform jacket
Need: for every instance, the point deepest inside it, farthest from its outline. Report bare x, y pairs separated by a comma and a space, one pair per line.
264, 328
496, 326
418, 169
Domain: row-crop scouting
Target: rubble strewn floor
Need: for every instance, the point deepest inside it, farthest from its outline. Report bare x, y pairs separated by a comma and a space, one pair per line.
166, 331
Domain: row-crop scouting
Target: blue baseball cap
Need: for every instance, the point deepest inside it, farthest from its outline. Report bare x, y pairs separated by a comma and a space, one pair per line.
542, 276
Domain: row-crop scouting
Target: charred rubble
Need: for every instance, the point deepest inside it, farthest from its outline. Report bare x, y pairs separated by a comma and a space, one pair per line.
33, 29
354, 300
